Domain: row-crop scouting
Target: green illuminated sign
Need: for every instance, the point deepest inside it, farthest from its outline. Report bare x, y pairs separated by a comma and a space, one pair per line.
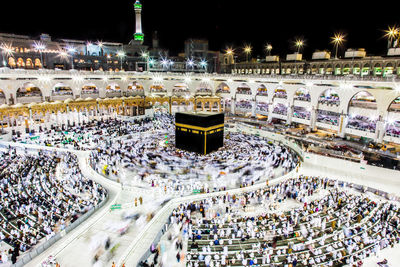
138, 36
116, 207
137, 6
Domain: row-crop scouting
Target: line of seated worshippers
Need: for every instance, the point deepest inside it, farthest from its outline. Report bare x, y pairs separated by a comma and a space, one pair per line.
145, 156
337, 229
92, 133
35, 202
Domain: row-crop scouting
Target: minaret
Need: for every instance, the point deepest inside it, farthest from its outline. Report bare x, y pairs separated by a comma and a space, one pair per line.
138, 36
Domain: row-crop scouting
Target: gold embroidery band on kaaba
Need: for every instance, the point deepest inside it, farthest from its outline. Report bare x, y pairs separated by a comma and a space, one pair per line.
205, 129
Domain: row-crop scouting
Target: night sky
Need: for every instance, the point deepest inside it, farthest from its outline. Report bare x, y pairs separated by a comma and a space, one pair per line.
224, 23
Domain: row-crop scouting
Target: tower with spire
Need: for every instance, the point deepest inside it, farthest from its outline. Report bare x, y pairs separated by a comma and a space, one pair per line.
138, 36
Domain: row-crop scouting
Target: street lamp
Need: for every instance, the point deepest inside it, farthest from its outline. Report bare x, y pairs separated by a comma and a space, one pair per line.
247, 50
337, 40
391, 34
190, 63
164, 63
203, 64
151, 62
121, 55
229, 52
100, 44
268, 48
299, 44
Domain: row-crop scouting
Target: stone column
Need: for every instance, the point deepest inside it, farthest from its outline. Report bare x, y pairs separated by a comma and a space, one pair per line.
289, 114
380, 130
313, 119
270, 110
342, 125
253, 107
233, 106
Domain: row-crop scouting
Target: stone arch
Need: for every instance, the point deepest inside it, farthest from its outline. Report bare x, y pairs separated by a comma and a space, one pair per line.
243, 89
262, 90
199, 105
302, 94
157, 88
389, 69
394, 106
204, 88
314, 69
346, 69
180, 88
215, 105
329, 69
113, 89
377, 71
366, 65
223, 88
134, 88
280, 92
365, 69
338, 69
38, 63
363, 99
29, 63
11, 62
62, 90
89, 90
330, 97
362, 111
20, 63
29, 91
393, 118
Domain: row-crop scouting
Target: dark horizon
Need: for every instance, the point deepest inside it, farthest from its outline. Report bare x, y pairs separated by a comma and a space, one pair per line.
224, 23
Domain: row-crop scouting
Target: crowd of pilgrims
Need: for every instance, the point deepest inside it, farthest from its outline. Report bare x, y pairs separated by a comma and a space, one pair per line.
138, 149
88, 135
41, 193
243, 160
330, 224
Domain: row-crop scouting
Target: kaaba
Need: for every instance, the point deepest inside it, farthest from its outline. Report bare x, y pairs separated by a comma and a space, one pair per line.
201, 132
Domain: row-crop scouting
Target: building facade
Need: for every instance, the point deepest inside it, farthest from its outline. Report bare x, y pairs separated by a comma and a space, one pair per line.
354, 63
345, 107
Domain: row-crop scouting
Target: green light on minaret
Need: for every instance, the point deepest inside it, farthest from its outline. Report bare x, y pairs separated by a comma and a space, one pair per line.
137, 5
138, 37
